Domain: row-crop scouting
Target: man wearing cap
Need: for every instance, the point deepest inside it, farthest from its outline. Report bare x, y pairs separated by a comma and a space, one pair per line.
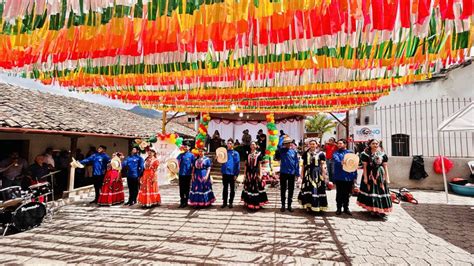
99, 161
289, 170
344, 180
185, 161
230, 171
133, 166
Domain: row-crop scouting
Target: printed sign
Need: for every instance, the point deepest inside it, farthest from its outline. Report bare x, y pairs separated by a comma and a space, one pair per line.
364, 133
164, 151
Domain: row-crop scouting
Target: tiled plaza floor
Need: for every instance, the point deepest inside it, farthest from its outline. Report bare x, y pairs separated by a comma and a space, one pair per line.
429, 233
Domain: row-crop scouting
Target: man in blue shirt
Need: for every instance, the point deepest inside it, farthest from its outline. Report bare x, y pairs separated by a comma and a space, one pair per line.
230, 171
133, 166
186, 162
289, 170
99, 161
344, 180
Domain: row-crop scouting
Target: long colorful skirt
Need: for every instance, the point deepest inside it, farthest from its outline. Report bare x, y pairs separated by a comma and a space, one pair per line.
375, 196
201, 194
112, 189
149, 194
313, 193
254, 195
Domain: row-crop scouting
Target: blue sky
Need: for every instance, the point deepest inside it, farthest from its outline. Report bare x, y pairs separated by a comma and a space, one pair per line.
53, 89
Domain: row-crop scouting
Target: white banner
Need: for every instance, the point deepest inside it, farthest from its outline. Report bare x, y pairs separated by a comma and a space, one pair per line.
365, 133
164, 151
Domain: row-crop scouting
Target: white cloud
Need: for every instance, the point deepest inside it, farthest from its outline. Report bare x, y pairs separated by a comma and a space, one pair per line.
53, 89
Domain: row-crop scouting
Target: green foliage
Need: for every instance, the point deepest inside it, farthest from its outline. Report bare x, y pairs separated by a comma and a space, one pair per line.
319, 124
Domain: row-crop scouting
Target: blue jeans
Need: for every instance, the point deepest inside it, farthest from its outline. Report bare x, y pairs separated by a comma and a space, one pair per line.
330, 166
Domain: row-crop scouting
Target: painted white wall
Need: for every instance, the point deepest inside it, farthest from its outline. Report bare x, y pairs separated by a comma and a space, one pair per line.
39, 143
459, 83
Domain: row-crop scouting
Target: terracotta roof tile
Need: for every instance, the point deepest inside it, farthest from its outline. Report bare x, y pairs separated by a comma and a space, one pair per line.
24, 108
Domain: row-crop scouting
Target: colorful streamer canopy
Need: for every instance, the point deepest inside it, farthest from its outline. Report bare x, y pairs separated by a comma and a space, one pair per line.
235, 55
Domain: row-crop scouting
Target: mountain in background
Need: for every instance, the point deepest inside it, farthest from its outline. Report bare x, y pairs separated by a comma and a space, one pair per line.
146, 112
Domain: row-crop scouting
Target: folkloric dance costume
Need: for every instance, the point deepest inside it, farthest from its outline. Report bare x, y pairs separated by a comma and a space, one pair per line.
253, 194
230, 170
99, 163
313, 189
186, 162
112, 188
149, 194
375, 195
134, 166
201, 188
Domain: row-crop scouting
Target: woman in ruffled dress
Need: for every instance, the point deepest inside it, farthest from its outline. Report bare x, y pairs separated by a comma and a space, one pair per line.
111, 192
201, 194
253, 194
312, 196
374, 194
149, 194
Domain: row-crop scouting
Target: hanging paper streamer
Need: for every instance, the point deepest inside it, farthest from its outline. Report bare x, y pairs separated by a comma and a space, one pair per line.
261, 56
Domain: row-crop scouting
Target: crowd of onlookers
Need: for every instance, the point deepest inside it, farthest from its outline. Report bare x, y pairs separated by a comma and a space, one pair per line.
16, 171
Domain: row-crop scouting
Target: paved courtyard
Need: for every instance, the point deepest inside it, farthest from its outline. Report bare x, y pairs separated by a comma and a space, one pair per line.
429, 233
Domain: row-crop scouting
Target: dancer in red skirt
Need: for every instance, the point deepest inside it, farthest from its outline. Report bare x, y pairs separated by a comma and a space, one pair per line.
149, 194
112, 189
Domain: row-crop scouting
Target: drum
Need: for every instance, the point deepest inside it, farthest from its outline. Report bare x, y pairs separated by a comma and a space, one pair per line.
10, 193
13, 203
28, 215
40, 189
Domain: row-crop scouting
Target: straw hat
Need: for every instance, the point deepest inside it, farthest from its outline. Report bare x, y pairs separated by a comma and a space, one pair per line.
172, 165
221, 155
351, 162
287, 139
76, 164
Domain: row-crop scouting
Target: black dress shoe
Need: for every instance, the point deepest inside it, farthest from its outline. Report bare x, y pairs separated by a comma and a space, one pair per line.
133, 203
93, 202
282, 209
224, 205
290, 209
346, 211
127, 203
338, 212
231, 206
181, 205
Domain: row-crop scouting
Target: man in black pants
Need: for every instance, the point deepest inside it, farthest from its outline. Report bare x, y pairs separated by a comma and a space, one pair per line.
344, 180
186, 163
99, 161
134, 166
230, 171
289, 170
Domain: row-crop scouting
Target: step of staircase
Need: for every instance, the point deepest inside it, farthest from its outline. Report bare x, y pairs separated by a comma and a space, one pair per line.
216, 167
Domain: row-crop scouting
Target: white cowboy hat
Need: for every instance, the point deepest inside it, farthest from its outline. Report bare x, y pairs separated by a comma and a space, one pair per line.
172, 165
76, 164
287, 140
351, 162
221, 155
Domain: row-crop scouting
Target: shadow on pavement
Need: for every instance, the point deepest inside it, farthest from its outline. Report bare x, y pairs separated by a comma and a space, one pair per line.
453, 223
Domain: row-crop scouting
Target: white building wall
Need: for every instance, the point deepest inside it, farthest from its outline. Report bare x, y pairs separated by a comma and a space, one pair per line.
418, 109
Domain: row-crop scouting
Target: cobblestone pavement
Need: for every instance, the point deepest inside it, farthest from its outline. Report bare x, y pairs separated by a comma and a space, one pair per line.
429, 233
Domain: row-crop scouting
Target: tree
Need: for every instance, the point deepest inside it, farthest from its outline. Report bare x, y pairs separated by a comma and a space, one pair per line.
319, 124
